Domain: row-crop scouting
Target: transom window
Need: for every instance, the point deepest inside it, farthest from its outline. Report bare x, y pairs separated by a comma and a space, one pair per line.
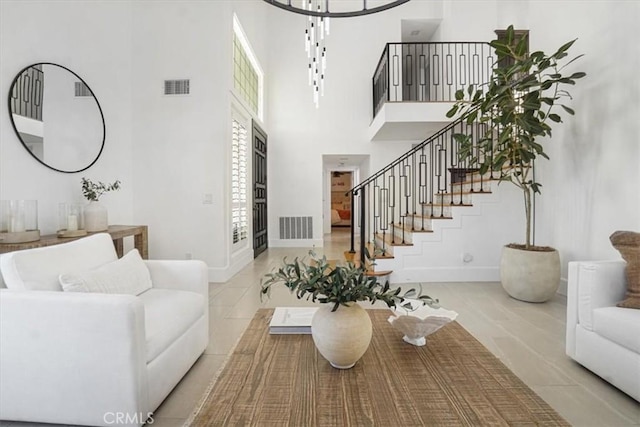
247, 74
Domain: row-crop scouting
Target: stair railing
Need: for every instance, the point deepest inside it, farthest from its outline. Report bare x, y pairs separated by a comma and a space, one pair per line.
419, 186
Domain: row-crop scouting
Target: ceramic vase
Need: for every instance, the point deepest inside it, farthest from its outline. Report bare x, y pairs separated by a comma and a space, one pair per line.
531, 276
341, 336
95, 217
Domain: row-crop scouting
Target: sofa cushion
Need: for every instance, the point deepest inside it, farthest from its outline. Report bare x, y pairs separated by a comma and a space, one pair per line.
39, 268
168, 314
620, 325
628, 244
127, 275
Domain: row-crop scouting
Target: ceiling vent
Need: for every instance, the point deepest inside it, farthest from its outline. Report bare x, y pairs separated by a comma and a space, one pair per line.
176, 87
82, 89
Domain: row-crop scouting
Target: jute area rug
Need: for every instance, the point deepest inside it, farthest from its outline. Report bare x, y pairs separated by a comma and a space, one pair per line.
281, 380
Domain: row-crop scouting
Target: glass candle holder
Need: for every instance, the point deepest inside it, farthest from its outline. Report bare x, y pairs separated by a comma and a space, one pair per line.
19, 221
71, 220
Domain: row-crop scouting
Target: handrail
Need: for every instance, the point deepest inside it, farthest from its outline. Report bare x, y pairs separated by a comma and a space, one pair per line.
414, 150
417, 187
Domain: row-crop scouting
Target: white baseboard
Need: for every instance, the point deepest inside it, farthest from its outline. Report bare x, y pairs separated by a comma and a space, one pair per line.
296, 243
562, 290
238, 261
446, 274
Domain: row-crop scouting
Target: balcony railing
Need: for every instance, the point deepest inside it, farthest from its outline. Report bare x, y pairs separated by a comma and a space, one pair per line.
429, 72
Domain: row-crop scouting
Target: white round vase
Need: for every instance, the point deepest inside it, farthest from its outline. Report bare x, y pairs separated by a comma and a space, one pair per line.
95, 217
531, 276
341, 336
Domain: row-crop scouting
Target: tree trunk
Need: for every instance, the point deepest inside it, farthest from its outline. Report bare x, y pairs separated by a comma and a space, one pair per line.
527, 210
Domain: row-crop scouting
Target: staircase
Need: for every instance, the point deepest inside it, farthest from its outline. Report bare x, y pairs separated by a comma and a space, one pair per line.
430, 215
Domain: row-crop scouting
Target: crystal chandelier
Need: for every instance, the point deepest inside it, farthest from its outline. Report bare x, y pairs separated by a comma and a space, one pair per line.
319, 14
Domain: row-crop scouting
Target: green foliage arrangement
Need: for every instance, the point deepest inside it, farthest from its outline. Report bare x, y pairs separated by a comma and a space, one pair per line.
92, 191
516, 106
337, 285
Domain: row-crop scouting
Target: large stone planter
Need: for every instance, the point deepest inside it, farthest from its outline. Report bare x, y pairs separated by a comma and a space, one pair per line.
341, 336
531, 276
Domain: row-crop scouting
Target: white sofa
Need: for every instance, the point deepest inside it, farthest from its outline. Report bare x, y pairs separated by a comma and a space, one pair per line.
95, 358
600, 336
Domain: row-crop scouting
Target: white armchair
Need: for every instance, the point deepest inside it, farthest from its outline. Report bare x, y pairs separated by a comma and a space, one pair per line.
600, 336
87, 358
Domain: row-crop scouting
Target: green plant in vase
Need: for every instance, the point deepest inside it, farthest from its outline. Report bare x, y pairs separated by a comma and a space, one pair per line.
341, 328
95, 214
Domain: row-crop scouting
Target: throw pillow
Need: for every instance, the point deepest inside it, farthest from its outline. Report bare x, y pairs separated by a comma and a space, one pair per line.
628, 244
128, 275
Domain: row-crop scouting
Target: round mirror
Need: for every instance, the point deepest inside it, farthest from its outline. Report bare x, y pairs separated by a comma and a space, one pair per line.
57, 117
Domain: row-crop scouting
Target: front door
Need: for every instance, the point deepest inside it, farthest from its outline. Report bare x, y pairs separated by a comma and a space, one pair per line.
259, 190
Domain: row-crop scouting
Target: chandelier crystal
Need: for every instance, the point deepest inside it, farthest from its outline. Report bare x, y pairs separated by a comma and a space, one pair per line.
318, 16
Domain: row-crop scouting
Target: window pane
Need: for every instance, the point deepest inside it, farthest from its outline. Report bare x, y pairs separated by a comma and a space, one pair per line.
238, 182
245, 76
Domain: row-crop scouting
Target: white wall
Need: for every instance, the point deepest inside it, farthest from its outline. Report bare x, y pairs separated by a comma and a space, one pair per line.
592, 180
93, 40
168, 153
590, 184
184, 140
299, 133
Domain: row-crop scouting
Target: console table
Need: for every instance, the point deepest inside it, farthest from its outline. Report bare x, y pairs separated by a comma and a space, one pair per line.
117, 232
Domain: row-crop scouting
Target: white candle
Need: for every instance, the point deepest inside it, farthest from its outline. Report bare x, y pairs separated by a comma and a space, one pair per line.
16, 224
72, 223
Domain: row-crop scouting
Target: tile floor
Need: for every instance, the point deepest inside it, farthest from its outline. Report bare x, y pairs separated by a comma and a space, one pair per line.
528, 338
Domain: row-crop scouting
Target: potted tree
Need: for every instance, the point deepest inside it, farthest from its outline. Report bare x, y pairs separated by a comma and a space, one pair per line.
341, 329
516, 108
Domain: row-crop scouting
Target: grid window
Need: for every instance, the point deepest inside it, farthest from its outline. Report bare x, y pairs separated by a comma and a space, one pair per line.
245, 77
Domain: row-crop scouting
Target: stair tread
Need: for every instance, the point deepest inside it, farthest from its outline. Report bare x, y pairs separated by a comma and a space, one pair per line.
438, 205
494, 171
374, 257
410, 230
388, 240
372, 249
370, 269
463, 193
475, 180
374, 273
431, 216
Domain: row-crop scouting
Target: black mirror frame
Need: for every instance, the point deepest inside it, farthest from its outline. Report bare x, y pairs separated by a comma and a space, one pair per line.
104, 127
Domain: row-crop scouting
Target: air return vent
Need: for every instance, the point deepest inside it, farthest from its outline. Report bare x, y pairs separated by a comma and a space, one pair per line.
296, 227
176, 87
82, 89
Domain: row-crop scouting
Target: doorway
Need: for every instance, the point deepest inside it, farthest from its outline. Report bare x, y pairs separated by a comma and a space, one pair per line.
341, 209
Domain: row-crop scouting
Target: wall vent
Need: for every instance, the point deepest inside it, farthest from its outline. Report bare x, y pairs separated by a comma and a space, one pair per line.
176, 87
82, 89
296, 227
